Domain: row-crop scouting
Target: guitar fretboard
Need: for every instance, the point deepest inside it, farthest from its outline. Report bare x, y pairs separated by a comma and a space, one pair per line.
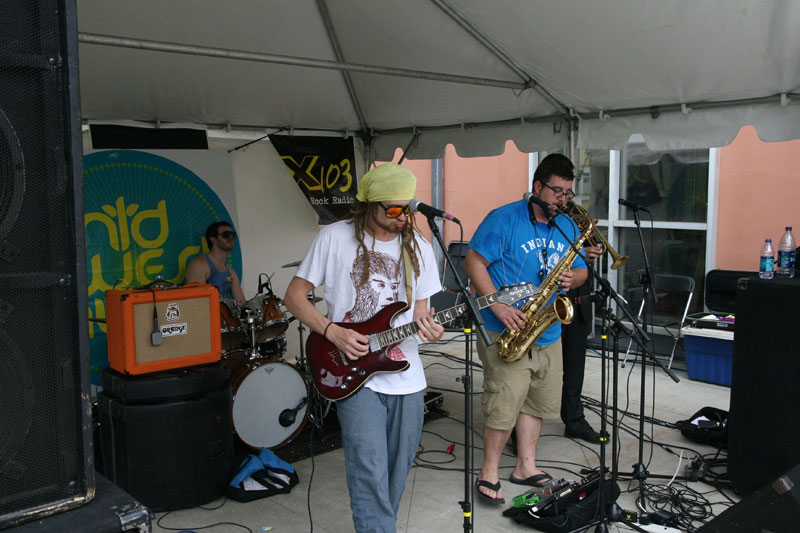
395, 335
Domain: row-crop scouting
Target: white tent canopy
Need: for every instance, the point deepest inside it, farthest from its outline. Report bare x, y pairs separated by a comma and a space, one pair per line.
473, 73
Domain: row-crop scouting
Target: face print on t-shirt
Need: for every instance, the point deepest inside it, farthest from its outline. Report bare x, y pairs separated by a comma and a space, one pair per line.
381, 289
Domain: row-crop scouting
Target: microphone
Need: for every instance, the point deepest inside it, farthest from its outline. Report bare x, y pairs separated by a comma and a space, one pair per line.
261, 285
632, 205
430, 211
288, 416
592, 298
550, 210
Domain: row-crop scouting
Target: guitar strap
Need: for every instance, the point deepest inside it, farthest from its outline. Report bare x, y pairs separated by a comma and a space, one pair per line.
409, 272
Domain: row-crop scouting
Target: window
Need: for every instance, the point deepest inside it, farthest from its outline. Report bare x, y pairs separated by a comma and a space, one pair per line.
673, 185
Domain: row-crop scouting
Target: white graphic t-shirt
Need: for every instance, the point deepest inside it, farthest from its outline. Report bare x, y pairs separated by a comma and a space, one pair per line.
332, 261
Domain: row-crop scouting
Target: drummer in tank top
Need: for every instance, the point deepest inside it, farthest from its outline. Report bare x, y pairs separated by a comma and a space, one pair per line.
212, 267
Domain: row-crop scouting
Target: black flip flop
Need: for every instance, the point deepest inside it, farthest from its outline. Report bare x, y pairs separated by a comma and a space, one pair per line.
491, 486
537, 480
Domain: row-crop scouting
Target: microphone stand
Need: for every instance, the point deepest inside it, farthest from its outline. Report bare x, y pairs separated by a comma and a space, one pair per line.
640, 473
610, 511
466, 380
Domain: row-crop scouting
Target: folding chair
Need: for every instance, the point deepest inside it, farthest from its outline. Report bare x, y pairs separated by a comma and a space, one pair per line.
673, 296
449, 296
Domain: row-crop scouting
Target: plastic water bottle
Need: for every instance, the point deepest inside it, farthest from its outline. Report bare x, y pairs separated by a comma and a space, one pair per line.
767, 268
786, 255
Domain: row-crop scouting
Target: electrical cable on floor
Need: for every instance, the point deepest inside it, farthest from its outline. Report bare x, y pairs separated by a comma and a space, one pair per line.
685, 506
197, 528
433, 465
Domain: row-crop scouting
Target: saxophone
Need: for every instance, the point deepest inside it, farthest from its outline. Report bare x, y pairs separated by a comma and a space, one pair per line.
512, 345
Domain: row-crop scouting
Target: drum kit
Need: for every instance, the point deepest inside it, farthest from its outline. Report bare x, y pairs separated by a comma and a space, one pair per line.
272, 398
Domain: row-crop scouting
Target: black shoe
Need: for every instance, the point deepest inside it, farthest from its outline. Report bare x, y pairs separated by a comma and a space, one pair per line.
584, 432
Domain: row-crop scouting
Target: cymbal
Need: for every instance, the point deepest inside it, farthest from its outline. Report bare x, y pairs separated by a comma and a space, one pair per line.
292, 264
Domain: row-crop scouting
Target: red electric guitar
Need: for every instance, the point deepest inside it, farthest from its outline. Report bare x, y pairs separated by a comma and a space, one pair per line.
337, 377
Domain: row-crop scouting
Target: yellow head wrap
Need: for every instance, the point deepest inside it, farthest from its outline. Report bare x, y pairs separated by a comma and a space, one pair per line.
385, 183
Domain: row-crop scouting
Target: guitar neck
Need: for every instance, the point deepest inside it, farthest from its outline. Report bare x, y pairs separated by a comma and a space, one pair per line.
400, 333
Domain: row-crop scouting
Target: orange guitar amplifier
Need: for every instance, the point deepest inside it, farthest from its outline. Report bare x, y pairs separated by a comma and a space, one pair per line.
156, 329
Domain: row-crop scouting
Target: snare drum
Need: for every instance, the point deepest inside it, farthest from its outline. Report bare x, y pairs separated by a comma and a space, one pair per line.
265, 394
272, 348
233, 335
274, 323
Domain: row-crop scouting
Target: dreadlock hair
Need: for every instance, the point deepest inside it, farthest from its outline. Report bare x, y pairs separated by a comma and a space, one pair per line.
359, 215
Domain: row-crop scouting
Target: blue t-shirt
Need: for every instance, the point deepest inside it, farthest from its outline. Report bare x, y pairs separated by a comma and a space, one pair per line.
514, 249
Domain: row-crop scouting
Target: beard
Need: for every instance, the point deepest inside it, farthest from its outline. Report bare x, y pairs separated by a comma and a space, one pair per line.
390, 225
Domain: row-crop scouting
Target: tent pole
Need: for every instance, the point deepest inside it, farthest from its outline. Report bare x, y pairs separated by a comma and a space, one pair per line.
175, 48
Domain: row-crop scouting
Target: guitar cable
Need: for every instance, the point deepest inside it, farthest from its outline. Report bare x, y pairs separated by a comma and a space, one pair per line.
311, 476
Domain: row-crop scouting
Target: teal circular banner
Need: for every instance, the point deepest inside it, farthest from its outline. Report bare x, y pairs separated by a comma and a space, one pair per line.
145, 217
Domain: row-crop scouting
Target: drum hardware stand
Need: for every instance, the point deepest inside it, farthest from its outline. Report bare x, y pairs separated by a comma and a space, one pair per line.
251, 318
474, 317
319, 407
301, 361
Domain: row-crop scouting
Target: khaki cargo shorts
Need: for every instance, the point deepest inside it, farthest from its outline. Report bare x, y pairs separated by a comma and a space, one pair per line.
531, 385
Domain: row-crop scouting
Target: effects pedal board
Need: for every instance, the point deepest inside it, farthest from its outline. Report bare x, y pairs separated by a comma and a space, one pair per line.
570, 493
433, 406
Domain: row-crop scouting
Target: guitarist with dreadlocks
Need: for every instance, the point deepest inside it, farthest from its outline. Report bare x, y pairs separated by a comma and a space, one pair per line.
374, 259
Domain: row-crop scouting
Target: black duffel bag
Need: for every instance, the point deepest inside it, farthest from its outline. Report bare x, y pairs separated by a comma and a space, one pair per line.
709, 426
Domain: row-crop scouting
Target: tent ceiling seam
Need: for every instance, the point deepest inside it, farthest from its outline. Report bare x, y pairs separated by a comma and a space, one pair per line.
160, 46
495, 49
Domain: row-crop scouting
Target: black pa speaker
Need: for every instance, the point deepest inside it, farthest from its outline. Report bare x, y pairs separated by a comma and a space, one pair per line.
763, 426
775, 508
45, 422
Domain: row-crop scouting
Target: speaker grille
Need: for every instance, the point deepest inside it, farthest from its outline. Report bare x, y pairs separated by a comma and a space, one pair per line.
44, 448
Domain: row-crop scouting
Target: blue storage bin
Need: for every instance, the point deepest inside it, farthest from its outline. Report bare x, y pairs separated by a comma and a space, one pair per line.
708, 355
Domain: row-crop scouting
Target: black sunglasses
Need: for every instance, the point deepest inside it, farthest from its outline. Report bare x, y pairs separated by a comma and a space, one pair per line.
227, 235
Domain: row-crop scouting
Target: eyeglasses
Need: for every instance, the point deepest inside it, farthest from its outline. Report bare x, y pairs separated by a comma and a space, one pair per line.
559, 192
227, 235
395, 211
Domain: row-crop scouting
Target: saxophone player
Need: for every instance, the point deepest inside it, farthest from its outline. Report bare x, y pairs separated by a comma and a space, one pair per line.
518, 243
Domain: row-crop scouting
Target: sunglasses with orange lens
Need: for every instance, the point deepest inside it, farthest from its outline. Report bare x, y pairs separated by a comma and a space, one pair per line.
395, 211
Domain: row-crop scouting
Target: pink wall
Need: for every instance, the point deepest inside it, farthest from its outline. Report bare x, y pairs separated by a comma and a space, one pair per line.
759, 194
473, 186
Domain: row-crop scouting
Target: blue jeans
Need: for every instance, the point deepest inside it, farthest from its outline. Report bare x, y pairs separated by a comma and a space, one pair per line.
380, 436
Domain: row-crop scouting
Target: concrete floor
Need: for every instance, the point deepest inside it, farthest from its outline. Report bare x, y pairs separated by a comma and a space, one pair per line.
436, 484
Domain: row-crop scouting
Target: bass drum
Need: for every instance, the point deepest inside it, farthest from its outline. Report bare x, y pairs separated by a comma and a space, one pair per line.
262, 392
